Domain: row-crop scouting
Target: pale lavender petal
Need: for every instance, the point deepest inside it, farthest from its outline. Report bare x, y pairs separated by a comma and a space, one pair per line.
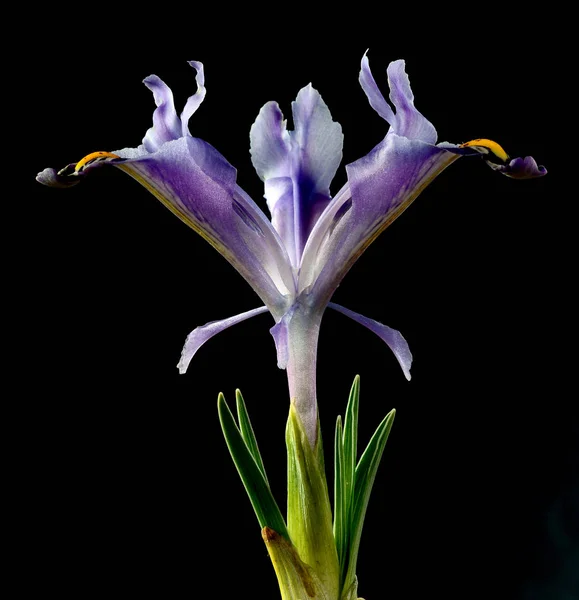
270, 143
372, 91
316, 158
319, 138
195, 100
409, 121
202, 334
393, 338
279, 193
166, 123
297, 166
270, 148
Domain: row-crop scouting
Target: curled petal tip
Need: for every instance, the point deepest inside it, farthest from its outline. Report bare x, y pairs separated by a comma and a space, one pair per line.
498, 160
521, 168
51, 178
73, 173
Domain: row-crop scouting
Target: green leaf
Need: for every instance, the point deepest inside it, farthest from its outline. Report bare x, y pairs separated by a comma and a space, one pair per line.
345, 455
262, 500
350, 441
351, 435
364, 480
247, 433
340, 522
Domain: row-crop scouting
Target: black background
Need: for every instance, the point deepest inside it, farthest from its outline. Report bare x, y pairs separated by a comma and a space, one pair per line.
123, 484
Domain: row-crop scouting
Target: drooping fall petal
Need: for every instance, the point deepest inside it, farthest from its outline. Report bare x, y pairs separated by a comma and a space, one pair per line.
202, 334
393, 339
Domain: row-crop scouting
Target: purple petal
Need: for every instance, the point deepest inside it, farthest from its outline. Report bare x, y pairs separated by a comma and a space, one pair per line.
200, 335
407, 121
297, 166
279, 192
270, 148
316, 158
268, 247
198, 185
381, 185
195, 100
270, 144
375, 97
313, 259
393, 338
166, 123
319, 138
520, 168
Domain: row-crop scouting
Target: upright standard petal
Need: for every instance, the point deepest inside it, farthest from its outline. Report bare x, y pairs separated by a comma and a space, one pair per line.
194, 101
410, 122
407, 121
166, 123
297, 166
167, 126
271, 156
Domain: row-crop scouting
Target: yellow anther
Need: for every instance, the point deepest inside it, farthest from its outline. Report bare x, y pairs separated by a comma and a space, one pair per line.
90, 158
489, 145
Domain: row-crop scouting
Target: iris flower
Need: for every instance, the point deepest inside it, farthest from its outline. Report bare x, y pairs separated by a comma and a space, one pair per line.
295, 261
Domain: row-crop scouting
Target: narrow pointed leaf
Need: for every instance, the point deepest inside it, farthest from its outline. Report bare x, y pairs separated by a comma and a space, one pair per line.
351, 443
247, 433
351, 424
349, 457
340, 524
260, 496
364, 480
